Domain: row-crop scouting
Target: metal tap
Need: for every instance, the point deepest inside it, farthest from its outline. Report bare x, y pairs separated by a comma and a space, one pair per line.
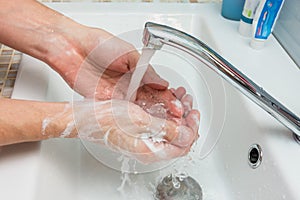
156, 35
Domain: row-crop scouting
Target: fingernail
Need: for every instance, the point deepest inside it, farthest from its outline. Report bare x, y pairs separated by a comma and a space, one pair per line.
196, 119
176, 108
184, 138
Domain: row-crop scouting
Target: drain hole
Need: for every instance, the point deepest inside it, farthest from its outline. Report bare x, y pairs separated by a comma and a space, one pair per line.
184, 189
254, 156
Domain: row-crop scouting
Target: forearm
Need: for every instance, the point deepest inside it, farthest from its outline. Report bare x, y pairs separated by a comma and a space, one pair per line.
33, 28
26, 121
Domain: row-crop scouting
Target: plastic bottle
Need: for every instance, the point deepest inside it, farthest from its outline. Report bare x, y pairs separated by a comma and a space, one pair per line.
264, 21
248, 13
232, 9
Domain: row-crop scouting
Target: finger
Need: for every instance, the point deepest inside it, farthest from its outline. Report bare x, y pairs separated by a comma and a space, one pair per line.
172, 90
181, 136
161, 152
120, 56
152, 79
125, 63
180, 92
133, 58
169, 151
193, 120
187, 103
175, 108
185, 136
146, 150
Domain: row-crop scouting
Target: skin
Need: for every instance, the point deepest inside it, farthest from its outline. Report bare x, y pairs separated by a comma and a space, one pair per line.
93, 62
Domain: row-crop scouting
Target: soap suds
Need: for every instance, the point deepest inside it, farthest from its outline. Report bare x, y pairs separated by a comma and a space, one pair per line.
105, 138
68, 130
159, 137
184, 135
45, 123
48, 120
158, 110
157, 150
125, 176
195, 119
177, 103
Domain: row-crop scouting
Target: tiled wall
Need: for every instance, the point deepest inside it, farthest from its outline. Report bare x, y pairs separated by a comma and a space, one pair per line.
287, 29
9, 63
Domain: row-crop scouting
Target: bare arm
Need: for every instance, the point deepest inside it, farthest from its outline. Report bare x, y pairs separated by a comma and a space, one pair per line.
32, 28
26, 121
65, 45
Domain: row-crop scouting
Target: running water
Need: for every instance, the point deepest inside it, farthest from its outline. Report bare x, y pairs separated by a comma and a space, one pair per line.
179, 178
125, 175
139, 72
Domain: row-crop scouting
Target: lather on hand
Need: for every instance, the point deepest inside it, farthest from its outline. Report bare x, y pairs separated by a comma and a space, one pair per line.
65, 46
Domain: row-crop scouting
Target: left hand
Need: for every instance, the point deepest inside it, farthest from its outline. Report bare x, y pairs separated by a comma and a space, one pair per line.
126, 128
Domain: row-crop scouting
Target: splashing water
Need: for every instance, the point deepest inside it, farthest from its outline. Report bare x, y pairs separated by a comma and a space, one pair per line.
178, 178
137, 76
185, 189
139, 72
125, 176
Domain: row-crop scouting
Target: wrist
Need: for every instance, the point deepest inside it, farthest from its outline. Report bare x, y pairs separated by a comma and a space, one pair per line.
63, 49
59, 122
27, 121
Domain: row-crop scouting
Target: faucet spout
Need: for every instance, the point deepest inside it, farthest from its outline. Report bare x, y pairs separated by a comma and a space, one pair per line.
156, 35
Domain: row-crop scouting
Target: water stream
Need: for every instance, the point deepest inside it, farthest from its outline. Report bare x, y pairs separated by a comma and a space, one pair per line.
139, 72
137, 76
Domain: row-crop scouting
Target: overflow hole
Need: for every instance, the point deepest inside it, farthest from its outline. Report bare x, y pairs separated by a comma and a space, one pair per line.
255, 156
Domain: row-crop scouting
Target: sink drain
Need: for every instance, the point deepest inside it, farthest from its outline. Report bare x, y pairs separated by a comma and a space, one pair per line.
255, 156
183, 189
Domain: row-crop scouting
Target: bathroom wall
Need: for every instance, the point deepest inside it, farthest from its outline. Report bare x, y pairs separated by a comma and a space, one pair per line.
287, 29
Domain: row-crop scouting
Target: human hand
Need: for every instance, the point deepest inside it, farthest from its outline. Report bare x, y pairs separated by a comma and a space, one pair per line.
125, 127
72, 50
95, 61
96, 64
81, 55
173, 107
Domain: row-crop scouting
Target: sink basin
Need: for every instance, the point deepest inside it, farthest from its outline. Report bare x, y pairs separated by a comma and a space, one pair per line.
230, 124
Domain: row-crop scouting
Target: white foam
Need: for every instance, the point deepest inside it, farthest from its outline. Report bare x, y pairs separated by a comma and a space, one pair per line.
177, 103
125, 176
48, 120
45, 123
68, 130
106, 136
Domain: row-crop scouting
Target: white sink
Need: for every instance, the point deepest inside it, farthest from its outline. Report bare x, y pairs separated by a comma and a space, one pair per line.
64, 169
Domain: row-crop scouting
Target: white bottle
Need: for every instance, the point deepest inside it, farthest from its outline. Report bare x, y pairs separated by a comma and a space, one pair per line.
245, 27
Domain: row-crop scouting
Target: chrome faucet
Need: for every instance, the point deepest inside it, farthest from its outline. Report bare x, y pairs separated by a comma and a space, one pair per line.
156, 35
